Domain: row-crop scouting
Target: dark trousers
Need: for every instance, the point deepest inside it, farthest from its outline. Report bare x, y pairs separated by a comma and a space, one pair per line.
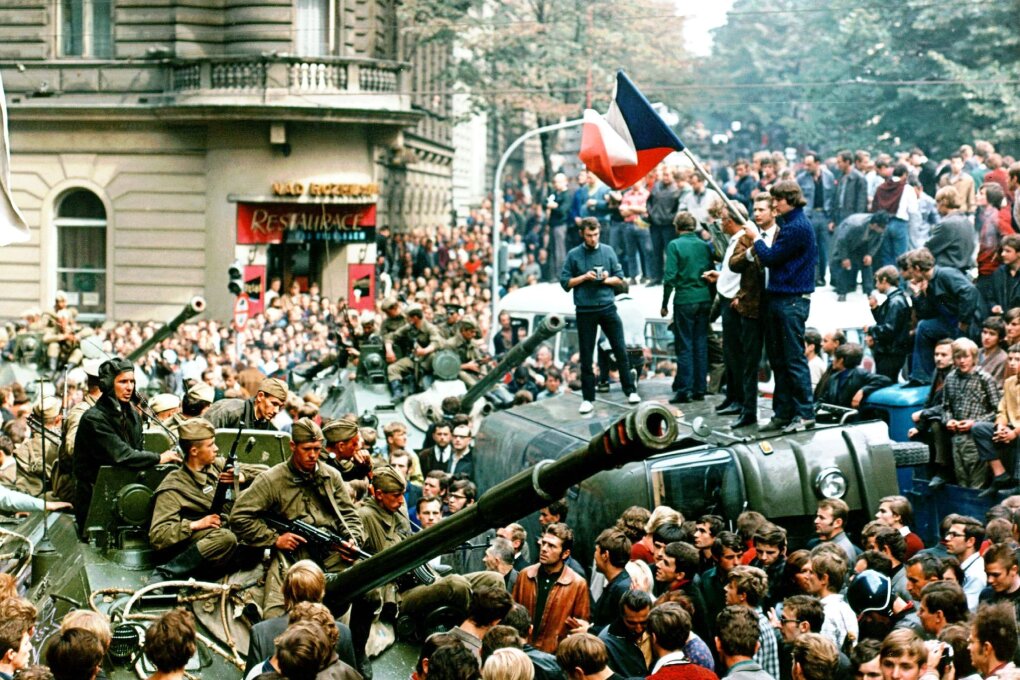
733, 351
845, 280
929, 332
982, 433
662, 234
588, 324
820, 222
784, 341
889, 365
639, 247
750, 348
618, 242
691, 323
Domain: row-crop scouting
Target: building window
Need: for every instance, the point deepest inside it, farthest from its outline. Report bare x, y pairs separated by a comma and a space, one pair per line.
313, 28
81, 252
86, 28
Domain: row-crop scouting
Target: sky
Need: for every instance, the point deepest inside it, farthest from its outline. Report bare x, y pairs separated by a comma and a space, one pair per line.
701, 18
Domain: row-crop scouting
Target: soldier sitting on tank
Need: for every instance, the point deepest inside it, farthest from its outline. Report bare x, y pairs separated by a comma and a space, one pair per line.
415, 341
60, 334
63, 481
29, 453
196, 402
471, 356
386, 525
302, 488
256, 413
165, 407
183, 519
392, 316
110, 433
450, 325
344, 448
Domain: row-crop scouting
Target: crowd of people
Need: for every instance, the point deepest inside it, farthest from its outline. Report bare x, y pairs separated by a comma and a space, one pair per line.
936, 248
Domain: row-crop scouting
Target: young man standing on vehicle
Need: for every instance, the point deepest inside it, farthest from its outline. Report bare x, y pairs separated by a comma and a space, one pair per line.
592, 271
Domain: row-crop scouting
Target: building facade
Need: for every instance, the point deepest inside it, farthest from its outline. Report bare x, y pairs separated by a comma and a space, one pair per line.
155, 143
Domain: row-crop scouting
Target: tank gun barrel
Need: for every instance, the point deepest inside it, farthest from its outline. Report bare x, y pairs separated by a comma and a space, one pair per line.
641, 433
549, 327
194, 307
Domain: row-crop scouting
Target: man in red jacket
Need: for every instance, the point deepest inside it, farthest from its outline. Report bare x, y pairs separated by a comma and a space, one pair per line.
551, 591
669, 625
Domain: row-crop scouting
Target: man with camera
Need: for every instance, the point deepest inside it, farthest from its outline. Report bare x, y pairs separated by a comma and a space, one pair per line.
592, 272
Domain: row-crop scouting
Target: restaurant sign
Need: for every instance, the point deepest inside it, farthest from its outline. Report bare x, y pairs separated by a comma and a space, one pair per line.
305, 222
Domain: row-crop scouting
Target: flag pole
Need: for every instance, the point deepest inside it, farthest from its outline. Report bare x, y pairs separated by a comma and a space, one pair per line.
711, 182
497, 199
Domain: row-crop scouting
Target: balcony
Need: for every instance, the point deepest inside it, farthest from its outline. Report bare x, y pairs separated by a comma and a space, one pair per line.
326, 88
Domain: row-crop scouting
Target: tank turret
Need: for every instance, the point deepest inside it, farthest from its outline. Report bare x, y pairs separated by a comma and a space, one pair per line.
639, 434
549, 327
194, 307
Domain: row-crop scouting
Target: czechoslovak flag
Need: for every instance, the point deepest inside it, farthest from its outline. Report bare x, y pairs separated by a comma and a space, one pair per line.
629, 141
13, 228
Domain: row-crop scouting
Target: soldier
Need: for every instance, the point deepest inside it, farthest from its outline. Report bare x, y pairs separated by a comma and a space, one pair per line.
393, 318
345, 450
451, 325
416, 340
300, 489
471, 357
60, 335
385, 520
29, 453
256, 413
165, 406
196, 402
182, 520
63, 482
110, 433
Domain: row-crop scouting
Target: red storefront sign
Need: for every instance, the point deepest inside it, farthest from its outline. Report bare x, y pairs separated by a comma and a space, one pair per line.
304, 222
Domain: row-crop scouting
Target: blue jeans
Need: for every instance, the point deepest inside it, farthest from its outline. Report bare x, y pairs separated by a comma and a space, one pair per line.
929, 332
784, 338
661, 235
588, 324
639, 245
618, 242
733, 352
692, 349
895, 243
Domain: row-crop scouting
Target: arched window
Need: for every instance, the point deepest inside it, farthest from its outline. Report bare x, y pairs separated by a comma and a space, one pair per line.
81, 251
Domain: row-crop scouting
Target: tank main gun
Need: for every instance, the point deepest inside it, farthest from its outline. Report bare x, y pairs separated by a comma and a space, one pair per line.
641, 433
550, 326
194, 307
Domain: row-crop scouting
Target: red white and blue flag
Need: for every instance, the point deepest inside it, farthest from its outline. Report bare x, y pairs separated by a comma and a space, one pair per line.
629, 141
13, 228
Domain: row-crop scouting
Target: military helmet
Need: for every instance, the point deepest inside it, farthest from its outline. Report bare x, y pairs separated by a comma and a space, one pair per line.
869, 591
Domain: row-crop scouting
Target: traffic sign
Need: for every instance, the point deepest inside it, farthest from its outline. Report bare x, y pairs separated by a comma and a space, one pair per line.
241, 312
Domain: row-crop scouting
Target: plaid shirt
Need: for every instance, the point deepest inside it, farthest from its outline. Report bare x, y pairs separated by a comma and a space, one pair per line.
768, 652
970, 396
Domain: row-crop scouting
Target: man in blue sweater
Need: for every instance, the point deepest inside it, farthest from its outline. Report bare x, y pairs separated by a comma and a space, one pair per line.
592, 271
790, 281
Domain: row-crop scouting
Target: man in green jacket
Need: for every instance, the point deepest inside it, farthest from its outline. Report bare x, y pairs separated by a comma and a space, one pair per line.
688, 260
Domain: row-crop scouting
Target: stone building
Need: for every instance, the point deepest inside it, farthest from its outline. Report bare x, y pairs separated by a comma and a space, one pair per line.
154, 143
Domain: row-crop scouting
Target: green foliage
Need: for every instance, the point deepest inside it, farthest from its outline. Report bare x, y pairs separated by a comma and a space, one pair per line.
880, 76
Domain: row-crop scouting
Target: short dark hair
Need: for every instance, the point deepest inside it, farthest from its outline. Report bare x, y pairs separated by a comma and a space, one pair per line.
814, 338
737, 630
669, 533
465, 485
589, 223
559, 508
685, 556
724, 540
889, 274
616, 543
671, 625
453, 662
1003, 554
518, 618
887, 537
500, 637
431, 644
809, 609
816, 655
771, 534
995, 323
930, 564
74, 653
946, 597
302, 649
684, 221
864, 651
635, 600
715, 523
972, 528
170, 641
996, 625
878, 561
489, 605
581, 650
788, 190
851, 353
562, 532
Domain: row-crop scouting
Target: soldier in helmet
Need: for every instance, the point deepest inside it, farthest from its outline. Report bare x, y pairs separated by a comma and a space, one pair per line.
110, 433
256, 413
465, 345
302, 488
345, 449
416, 340
29, 453
182, 520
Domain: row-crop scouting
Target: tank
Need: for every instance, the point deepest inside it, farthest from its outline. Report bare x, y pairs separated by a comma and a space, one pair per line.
425, 408
194, 307
648, 429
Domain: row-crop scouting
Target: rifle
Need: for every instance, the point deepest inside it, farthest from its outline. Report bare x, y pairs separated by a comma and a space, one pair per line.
324, 542
220, 497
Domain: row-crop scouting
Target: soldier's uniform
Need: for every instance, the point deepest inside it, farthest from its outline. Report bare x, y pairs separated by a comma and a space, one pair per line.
467, 350
29, 453
321, 498
447, 328
390, 324
340, 431
231, 413
57, 324
407, 338
186, 495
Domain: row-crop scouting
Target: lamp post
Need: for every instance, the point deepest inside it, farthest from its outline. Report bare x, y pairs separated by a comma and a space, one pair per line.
497, 197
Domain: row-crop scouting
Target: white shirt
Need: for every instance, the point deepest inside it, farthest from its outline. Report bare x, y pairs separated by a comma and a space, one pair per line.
667, 659
840, 619
974, 579
728, 284
908, 203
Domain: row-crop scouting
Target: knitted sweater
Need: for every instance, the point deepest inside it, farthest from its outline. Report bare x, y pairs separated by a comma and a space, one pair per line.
792, 258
